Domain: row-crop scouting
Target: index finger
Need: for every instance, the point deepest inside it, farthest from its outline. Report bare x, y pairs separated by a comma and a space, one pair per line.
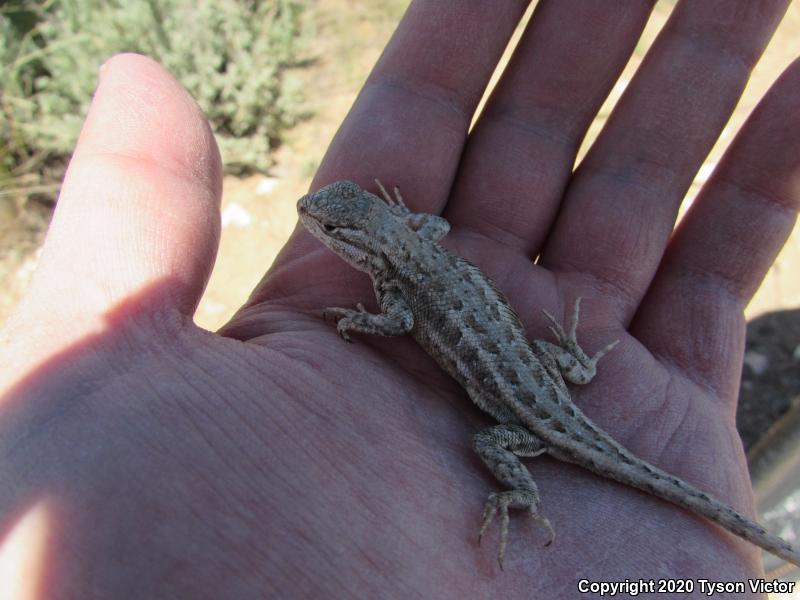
407, 127
408, 124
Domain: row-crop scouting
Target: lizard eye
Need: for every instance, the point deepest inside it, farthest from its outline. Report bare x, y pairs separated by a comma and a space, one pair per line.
329, 228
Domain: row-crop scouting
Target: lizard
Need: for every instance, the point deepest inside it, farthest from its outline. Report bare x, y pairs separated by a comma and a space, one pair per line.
463, 321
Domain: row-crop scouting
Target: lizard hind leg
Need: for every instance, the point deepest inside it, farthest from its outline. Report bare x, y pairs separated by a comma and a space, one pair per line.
574, 364
500, 447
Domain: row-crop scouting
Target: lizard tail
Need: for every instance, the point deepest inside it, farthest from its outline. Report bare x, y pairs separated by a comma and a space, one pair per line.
609, 459
679, 492
635, 472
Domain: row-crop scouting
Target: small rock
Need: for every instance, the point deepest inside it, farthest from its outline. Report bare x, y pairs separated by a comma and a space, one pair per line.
265, 186
236, 214
757, 362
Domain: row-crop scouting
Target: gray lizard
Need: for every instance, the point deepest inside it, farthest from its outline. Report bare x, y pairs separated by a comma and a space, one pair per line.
466, 324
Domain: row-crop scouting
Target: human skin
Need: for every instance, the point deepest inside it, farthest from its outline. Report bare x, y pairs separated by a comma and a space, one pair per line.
141, 456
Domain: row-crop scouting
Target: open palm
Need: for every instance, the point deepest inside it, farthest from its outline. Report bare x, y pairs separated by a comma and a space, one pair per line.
141, 456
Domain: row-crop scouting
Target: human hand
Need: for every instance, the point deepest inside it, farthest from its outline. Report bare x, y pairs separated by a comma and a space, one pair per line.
156, 459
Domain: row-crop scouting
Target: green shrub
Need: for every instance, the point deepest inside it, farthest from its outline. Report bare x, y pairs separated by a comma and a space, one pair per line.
230, 54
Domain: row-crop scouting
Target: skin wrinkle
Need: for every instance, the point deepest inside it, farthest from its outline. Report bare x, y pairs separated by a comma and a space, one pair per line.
639, 173
612, 288
158, 166
672, 412
494, 231
780, 203
430, 93
552, 130
234, 436
716, 284
708, 39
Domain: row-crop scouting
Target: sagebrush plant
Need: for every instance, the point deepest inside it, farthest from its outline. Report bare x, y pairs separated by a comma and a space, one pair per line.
230, 54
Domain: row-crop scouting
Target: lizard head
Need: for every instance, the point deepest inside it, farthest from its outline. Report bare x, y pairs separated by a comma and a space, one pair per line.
348, 220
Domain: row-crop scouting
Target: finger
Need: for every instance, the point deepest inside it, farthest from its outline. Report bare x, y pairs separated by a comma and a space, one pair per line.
408, 124
692, 314
139, 202
520, 153
622, 201
407, 128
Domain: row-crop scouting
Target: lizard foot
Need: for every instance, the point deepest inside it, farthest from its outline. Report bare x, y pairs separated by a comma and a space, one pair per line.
499, 502
575, 364
343, 317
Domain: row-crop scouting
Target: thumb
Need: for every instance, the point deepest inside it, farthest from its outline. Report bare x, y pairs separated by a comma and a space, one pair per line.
138, 208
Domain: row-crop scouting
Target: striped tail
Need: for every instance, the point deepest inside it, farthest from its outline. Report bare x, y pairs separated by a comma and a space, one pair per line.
607, 458
668, 487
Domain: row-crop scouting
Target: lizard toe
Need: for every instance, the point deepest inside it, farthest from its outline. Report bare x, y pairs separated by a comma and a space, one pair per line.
342, 326
498, 503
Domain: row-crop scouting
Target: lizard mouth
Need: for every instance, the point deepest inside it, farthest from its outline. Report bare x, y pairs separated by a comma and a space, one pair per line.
311, 224
308, 219
348, 251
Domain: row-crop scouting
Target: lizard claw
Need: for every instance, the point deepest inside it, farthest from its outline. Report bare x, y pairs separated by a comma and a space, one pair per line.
343, 319
498, 503
334, 312
562, 336
342, 326
546, 524
556, 328
603, 351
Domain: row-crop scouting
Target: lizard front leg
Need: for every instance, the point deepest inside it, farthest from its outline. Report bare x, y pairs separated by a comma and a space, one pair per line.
395, 318
427, 226
573, 363
499, 448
